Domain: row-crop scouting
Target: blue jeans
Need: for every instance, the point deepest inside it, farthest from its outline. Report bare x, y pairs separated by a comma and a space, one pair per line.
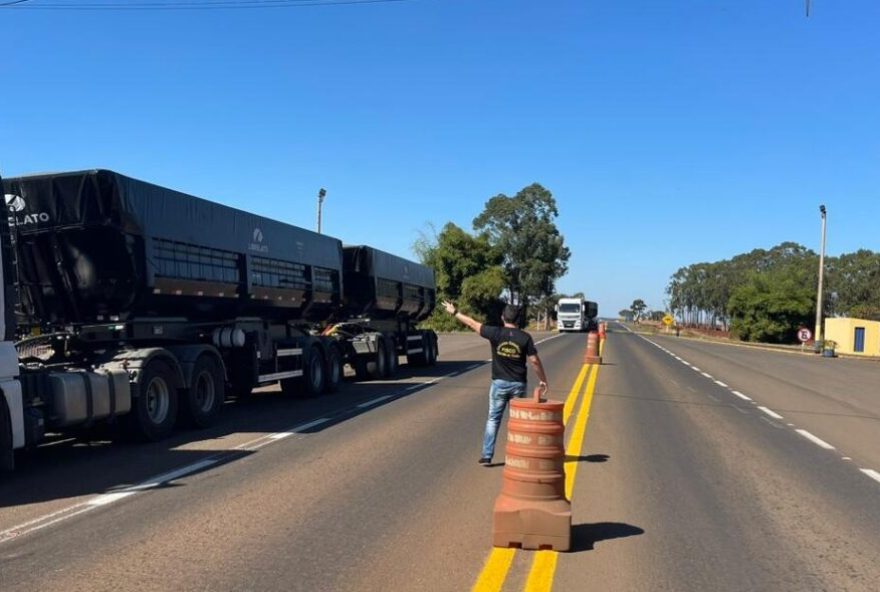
500, 393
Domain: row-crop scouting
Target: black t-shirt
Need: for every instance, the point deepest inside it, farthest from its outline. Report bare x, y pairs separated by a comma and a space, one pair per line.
510, 347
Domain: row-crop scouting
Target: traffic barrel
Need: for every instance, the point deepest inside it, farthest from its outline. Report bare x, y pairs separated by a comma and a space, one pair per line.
602, 330
531, 512
592, 355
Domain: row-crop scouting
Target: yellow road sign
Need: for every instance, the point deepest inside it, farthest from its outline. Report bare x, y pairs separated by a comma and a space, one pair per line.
667, 320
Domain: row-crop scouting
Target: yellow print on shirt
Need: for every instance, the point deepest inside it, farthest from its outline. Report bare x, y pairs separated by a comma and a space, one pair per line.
508, 349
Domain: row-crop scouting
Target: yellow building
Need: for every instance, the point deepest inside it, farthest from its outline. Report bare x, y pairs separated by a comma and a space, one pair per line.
854, 336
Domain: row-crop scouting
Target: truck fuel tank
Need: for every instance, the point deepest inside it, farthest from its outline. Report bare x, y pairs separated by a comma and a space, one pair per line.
78, 397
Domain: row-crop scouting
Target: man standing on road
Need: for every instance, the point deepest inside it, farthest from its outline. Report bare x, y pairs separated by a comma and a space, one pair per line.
511, 347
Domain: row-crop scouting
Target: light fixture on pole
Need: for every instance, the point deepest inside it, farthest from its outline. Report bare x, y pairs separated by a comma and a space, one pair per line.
321, 193
819, 334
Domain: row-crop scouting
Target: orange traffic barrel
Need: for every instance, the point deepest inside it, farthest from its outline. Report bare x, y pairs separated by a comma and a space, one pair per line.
602, 331
531, 512
592, 355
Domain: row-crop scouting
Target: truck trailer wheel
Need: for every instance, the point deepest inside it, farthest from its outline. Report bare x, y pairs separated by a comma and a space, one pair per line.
377, 366
333, 370
314, 375
433, 353
203, 401
312, 381
392, 362
155, 408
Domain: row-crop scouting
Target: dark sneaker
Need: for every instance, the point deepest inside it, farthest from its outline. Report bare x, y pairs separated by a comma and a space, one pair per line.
485, 460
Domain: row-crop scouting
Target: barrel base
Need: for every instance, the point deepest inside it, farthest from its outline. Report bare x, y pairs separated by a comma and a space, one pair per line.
593, 360
531, 524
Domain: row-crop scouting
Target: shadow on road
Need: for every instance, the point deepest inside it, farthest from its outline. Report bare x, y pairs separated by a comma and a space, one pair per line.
593, 458
585, 536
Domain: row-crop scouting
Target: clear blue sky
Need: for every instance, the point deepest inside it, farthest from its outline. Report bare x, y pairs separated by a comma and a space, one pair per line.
669, 132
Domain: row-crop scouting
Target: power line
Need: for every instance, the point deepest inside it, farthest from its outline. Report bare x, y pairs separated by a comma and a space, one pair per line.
184, 4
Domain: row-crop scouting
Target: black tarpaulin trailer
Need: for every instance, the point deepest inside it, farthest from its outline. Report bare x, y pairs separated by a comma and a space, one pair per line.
96, 246
384, 286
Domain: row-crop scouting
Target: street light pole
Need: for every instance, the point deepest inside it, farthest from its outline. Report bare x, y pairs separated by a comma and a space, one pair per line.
819, 334
321, 193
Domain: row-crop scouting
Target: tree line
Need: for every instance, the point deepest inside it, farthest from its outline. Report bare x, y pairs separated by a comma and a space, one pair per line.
766, 295
515, 254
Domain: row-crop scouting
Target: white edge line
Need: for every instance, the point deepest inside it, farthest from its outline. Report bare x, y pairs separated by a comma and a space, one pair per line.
171, 475
817, 441
4, 534
152, 483
373, 402
17, 531
311, 424
109, 498
770, 412
872, 474
741, 396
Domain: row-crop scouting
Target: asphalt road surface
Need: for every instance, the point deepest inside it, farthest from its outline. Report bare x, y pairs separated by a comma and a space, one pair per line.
690, 466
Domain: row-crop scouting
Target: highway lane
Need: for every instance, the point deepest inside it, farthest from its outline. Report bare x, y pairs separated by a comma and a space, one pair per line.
681, 485
700, 490
837, 400
390, 494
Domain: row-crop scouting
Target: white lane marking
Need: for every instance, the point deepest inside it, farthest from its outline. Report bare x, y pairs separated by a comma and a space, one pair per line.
310, 425
98, 501
21, 530
875, 475
772, 423
872, 474
548, 339
109, 498
172, 475
770, 412
373, 402
106, 499
817, 441
706, 374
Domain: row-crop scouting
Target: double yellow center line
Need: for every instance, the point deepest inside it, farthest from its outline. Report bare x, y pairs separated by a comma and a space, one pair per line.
543, 568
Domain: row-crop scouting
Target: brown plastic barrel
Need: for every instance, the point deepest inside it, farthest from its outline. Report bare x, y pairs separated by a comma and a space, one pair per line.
531, 511
592, 354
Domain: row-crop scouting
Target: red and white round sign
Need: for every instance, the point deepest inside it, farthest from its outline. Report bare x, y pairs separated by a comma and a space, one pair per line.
804, 334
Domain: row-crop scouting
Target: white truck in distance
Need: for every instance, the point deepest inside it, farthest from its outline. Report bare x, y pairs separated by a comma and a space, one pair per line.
575, 314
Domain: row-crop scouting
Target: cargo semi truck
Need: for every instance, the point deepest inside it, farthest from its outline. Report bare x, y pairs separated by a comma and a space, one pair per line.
130, 303
576, 314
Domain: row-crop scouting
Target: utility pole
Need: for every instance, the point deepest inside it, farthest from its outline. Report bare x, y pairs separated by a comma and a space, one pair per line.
819, 334
321, 193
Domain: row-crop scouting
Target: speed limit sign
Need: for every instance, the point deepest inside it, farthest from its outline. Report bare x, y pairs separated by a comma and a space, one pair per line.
804, 334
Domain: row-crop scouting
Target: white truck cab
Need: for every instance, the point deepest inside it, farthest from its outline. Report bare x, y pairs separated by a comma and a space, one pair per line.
576, 314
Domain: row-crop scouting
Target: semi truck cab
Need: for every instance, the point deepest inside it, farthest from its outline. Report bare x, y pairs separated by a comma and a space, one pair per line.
576, 314
11, 404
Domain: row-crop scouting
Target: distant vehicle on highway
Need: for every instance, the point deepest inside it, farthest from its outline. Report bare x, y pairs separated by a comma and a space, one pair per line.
576, 314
